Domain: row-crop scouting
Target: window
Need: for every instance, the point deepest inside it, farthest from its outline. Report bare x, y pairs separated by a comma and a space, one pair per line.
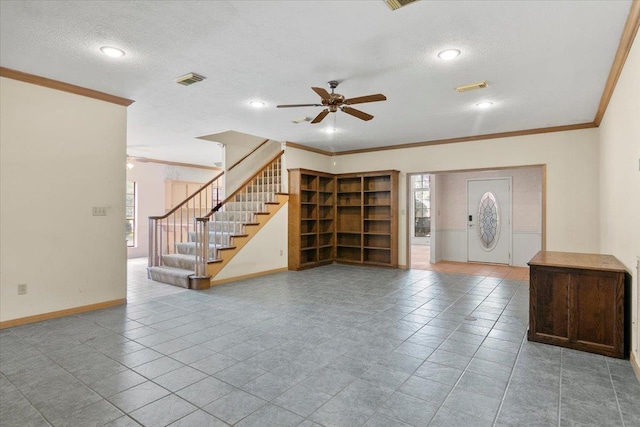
130, 206
421, 205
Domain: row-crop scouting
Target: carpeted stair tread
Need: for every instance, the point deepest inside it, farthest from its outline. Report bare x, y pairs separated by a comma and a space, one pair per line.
171, 275
182, 261
225, 224
189, 248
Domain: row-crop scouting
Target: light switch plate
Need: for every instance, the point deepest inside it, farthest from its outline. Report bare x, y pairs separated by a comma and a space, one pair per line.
99, 211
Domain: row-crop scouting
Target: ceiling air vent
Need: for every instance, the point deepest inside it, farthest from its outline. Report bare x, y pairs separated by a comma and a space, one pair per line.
397, 4
189, 79
472, 86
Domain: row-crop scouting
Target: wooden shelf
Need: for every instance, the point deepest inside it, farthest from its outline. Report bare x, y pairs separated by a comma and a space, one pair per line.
350, 218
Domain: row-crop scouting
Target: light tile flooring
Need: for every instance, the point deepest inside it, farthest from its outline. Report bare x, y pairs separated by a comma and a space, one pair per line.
331, 346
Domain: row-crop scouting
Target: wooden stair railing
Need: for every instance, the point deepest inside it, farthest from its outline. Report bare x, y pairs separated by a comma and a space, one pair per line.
246, 200
174, 226
206, 224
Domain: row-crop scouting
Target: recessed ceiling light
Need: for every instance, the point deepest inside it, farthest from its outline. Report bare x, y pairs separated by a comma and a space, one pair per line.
485, 104
330, 130
257, 104
113, 52
449, 54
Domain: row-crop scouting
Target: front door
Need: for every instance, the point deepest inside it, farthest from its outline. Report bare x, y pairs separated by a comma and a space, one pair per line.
489, 220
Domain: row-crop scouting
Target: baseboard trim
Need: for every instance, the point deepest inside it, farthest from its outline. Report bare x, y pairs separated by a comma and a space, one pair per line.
403, 266
60, 313
635, 365
248, 276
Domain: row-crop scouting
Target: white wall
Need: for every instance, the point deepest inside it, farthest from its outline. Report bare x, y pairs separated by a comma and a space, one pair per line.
572, 178
234, 178
61, 155
619, 165
267, 250
150, 191
526, 205
236, 145
296, 158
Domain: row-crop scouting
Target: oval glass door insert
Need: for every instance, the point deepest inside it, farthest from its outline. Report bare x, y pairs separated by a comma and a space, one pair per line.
488, 221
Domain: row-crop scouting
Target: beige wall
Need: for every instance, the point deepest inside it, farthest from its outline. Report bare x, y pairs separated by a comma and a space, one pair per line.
61, 155
619, 165
150, 181
296, 158
572, 178
526, 216
526, 193
266, 251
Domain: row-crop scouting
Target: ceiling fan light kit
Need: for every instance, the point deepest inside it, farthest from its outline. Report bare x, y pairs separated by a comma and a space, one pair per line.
336, 101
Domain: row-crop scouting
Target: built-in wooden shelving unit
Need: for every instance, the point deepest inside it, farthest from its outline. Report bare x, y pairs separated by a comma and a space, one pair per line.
311, 218
350, 218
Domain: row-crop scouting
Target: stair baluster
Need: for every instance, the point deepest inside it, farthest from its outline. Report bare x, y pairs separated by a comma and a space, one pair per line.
207, 225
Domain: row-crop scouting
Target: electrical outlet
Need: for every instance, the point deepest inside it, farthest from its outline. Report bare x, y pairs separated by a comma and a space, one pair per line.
22, 289
99, 211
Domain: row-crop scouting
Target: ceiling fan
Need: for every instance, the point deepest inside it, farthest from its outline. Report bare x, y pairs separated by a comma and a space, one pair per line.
335, 101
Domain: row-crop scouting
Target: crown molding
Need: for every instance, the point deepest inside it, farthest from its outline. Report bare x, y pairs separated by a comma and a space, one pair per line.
65, 87
471, 138
311, 149
170, 163
626, 41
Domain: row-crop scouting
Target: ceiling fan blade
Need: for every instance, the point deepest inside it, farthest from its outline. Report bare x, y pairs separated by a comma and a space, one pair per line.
320, 116
363, 99
357, 113
322, 92
298, 105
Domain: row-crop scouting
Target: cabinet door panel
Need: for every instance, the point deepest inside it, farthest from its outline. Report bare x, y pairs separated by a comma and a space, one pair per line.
550, 304
593, 310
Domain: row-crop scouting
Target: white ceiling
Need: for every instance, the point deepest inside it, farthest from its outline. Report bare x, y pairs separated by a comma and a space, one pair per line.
546, 63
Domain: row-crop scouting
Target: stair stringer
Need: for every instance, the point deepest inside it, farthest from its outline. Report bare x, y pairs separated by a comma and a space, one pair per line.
223, 270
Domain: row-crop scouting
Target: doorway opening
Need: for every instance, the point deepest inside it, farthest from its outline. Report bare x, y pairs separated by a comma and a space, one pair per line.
448, 222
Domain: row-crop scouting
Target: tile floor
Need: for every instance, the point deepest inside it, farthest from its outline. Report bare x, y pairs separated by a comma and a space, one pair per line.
331, 346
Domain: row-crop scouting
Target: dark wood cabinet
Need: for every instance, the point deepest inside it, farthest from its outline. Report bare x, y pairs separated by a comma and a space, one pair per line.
578, 301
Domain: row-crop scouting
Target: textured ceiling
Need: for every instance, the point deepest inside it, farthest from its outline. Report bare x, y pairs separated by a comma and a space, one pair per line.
546, 63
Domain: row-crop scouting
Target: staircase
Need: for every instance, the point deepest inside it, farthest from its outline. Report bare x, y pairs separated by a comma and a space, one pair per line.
190, 244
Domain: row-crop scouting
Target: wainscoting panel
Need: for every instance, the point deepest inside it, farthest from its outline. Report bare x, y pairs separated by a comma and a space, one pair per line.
525, 245
453, 245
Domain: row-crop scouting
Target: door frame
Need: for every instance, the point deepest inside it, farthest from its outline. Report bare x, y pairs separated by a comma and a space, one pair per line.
406, 207
510, 204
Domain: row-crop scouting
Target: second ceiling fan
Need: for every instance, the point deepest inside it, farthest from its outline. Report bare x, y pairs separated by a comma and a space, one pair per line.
334, 101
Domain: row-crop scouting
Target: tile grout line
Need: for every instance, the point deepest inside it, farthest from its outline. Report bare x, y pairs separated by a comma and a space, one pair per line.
560, 388
483, 340
18, 388
513, 368
615, 392
404, 341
